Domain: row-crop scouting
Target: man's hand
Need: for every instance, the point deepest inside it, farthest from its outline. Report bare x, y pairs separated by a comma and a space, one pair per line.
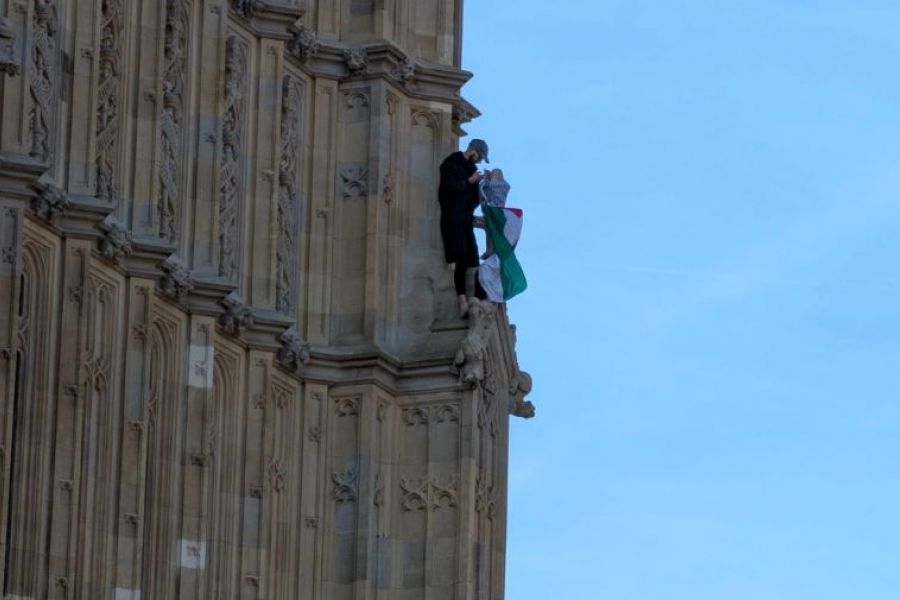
476, 177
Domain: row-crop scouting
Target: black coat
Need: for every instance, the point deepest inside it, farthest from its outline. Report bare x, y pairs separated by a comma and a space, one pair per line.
458, 198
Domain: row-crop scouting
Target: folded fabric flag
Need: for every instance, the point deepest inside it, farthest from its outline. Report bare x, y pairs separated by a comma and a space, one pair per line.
500, 274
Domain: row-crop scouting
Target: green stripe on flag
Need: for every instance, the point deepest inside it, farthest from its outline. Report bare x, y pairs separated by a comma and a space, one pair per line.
511, 275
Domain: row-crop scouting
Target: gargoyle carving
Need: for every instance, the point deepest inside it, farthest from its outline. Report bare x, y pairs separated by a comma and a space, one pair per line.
405, 71
357, 60
116, 242
304, 44
50, 202
294, 351
237, 315
176, 282
519, 387
470, 357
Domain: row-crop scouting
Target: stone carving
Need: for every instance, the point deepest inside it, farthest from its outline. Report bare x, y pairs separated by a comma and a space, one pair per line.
487, 417
9, 62
378, 495
43, 79
231, 183
304, 43
423, 415
387, 188
116, 241
427, 494
519, 387
237, 315
485, 497
383, 406
347, 407
246, 8
108, 98
176, 282
405, 72
354, 181
471, 354
8, 255
172, 117
356, 59
344, 486
50, 202
277, 475
285, 251
294, 351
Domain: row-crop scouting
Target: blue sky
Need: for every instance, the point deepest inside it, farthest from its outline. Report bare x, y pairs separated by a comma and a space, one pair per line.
712, 239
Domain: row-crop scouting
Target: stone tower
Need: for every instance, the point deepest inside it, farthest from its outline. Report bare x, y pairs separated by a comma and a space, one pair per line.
229, 361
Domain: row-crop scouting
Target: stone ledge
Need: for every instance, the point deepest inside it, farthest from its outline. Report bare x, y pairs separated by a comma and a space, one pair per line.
266, 18
385, 60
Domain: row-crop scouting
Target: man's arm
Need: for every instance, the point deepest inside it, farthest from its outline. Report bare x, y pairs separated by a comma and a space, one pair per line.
454, 178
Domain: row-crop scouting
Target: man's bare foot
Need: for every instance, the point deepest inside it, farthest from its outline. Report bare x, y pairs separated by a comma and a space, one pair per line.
463, 306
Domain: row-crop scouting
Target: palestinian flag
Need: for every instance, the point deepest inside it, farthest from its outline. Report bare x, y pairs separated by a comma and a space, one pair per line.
500, 274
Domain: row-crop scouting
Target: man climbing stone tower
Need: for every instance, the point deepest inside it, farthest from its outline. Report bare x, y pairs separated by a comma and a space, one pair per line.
231, 364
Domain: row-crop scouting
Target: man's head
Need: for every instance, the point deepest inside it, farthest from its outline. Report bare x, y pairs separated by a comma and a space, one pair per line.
477, 151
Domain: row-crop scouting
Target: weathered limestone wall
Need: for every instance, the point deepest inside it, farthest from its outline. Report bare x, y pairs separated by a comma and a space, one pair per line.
229, 361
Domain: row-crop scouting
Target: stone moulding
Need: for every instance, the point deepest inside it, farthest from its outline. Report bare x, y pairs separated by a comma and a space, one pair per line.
267, 18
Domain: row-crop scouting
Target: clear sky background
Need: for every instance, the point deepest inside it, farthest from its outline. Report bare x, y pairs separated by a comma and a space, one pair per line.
712, 240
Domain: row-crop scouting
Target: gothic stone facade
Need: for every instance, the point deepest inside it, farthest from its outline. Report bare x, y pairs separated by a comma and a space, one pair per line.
229, 363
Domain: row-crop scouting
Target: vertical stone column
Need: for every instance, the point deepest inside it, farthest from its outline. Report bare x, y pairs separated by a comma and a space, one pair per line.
321, 224
264, 207
134, 444
201, 430
16, 98
11, 296
354, 189
314, 493
205, 192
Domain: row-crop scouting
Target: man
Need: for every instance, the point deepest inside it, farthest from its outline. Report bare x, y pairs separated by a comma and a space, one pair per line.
458, 196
